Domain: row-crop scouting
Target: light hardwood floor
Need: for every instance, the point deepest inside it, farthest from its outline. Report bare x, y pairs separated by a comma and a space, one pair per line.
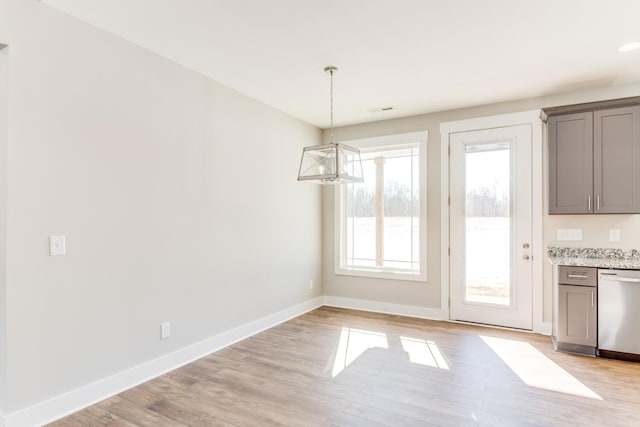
351, 368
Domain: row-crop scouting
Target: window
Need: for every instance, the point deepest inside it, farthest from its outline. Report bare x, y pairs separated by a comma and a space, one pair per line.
381, 223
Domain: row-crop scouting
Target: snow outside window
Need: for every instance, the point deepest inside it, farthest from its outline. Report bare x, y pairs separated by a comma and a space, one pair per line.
381, 222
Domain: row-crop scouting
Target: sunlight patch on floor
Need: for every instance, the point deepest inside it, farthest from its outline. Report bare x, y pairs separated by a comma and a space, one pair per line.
353, 343
423, 352
537, 370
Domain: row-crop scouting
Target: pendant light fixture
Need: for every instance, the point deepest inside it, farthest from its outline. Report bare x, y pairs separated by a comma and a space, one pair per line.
330, 163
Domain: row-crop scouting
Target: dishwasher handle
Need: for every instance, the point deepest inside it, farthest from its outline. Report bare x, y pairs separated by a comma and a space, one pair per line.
613, 277
628, 279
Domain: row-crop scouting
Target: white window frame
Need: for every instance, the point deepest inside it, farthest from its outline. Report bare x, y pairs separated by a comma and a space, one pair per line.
340, 219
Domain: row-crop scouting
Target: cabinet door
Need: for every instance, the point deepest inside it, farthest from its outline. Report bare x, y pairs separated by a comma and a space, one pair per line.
571, 163
616, 140
577, 315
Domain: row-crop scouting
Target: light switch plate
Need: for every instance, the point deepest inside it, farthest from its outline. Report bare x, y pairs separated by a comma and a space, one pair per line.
165, 330
569, 234
57, 245
614, 234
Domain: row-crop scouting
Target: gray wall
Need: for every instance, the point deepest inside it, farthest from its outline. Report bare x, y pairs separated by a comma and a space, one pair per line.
177, 195
595, 229
4, 80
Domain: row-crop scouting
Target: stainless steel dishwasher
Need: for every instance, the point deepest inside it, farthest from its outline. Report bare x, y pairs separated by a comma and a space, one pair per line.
619, 314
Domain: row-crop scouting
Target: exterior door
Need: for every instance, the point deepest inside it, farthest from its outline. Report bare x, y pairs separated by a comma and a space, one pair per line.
490, 226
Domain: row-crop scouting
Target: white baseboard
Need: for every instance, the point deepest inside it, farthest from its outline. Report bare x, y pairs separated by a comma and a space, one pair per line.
59, 406
543, 328
383, 307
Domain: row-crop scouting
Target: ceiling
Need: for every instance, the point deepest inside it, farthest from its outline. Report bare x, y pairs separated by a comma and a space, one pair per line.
417, 56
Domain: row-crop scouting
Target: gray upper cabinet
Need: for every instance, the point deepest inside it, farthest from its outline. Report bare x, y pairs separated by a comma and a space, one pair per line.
594, 162
616, 153
571, 163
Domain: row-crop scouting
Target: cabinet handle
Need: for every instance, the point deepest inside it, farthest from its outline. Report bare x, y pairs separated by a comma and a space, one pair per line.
576, 276
589, 203
592, 302
598, 202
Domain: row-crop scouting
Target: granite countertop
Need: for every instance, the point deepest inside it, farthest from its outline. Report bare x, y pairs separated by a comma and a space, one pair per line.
595, 257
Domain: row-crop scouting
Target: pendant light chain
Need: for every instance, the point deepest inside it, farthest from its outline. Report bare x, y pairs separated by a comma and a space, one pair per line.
331, 133
331, 69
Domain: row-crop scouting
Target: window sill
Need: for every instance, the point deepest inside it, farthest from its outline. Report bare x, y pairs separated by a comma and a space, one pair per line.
410, 277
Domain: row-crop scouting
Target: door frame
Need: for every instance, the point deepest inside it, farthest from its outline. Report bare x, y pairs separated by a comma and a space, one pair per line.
531, 117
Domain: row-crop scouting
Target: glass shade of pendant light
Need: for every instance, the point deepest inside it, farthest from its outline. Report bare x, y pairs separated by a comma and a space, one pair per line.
330, 163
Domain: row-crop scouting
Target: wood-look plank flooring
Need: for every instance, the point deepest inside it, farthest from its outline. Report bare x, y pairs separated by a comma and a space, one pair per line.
430, 374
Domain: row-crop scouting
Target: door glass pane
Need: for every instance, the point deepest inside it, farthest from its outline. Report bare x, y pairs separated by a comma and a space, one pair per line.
488, 223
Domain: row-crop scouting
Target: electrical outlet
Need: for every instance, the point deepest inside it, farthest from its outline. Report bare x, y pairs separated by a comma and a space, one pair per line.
311, 284
569, 234
614, 235
165, 330
57, 245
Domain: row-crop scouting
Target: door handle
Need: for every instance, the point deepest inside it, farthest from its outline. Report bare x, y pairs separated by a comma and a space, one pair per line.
589, 203
525, 257
525, 245
598, 202
576, 276
592, 302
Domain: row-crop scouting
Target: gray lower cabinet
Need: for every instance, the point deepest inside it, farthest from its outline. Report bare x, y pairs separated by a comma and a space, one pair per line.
576, 312
594, 162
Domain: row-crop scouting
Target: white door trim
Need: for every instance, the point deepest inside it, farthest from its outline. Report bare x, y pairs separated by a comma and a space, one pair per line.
531, 117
